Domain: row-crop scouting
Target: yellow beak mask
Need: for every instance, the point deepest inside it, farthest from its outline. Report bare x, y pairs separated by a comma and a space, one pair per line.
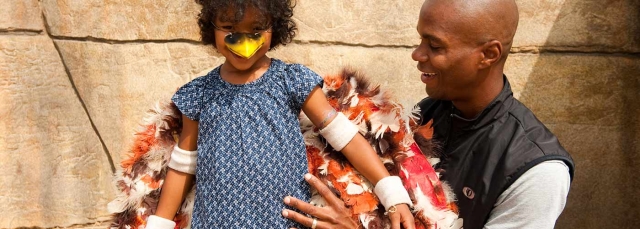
244, 44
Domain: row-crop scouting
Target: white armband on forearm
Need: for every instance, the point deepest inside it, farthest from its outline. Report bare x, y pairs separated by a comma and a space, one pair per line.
391, 192
339, 132
183, 160
156, 222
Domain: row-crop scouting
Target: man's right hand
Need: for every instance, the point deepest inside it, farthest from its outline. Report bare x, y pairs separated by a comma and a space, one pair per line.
334, 215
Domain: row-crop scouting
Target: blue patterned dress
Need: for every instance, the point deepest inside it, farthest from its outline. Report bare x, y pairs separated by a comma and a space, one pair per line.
250, 150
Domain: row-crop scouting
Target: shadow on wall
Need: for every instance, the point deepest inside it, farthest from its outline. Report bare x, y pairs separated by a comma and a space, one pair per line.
587, 93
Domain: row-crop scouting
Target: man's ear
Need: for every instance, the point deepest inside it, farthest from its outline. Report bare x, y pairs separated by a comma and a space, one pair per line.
491, 53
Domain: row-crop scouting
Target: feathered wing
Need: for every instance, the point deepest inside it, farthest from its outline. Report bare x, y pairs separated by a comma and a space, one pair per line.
143, 169
385, 124
390, 130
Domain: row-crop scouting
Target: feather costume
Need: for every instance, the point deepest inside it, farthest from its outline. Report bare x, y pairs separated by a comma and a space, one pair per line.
391, 131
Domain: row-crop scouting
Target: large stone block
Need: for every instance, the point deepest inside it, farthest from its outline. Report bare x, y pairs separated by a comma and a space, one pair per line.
119, 83
21, 15
564, 25
603, 193
392, 68
54, 171
610, 26
590, 103
123, 19
359, 22
577, 89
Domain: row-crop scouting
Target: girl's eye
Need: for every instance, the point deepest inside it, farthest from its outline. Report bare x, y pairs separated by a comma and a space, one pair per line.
226, 27
260, 28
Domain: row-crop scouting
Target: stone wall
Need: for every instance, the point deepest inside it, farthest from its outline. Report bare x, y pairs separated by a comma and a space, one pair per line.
77, 75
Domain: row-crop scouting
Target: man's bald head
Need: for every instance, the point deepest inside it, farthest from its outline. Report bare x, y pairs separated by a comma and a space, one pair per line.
477, 21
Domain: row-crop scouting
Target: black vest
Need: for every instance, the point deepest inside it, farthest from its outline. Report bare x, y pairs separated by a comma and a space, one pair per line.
483, 156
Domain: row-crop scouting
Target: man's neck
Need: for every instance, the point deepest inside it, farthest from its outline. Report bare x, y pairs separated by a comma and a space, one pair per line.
480, 97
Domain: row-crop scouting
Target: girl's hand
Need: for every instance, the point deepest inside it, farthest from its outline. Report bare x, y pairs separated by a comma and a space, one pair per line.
334, 215
402, 216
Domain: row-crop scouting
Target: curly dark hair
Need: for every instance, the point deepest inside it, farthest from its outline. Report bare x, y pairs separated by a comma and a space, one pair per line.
278, 13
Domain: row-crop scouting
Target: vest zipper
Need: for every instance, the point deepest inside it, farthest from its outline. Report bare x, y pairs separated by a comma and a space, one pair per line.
446, 140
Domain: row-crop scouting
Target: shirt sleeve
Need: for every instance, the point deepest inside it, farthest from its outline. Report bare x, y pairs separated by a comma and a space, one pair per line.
533, 201
189, 98
300, 81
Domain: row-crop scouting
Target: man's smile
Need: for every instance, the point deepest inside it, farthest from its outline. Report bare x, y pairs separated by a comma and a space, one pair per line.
427, 76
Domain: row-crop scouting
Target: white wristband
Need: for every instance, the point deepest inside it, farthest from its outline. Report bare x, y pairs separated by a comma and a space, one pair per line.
183, 160
156, 222
339, 132
391, 192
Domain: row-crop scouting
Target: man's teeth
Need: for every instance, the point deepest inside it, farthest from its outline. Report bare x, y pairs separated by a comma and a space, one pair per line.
429, 74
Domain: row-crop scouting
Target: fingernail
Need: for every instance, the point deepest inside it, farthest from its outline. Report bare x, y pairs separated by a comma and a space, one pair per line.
287, 200
307, 176
285, 213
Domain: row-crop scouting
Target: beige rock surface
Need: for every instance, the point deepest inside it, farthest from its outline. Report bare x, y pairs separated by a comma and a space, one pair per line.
604, 191
576, 89
359, 22
54, 171
119, 83
590, 103
610, 26
123, 19
124, 55
20, 15
564, 25
392, 68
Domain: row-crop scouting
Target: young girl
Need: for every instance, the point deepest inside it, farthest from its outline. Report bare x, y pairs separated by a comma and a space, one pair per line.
242, 118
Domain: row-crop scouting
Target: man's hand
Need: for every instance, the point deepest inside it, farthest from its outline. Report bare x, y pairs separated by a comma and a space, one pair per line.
334, 215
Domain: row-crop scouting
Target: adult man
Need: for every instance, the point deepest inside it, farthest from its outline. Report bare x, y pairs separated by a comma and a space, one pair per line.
505, 167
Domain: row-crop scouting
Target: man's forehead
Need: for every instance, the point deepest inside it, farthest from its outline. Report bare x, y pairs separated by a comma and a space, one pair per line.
433, 21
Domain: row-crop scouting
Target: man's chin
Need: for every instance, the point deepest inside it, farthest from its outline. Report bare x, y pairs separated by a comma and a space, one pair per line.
431, 93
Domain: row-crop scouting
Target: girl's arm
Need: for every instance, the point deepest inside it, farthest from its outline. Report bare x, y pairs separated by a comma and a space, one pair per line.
361, 155
178, 184
357, 151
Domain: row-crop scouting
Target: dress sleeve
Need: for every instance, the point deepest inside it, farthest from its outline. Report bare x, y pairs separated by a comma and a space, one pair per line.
189, 98
300, 81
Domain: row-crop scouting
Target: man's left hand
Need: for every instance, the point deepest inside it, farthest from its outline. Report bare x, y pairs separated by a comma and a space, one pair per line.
334, 215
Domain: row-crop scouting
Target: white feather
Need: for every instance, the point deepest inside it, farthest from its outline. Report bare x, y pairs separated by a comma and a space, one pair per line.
345, 178
433, 161
367, 186
354, 189
117, 205
451, 197
381, 121
441, 216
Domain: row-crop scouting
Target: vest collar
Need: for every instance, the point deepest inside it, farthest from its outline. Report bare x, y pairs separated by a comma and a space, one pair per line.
496, 109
